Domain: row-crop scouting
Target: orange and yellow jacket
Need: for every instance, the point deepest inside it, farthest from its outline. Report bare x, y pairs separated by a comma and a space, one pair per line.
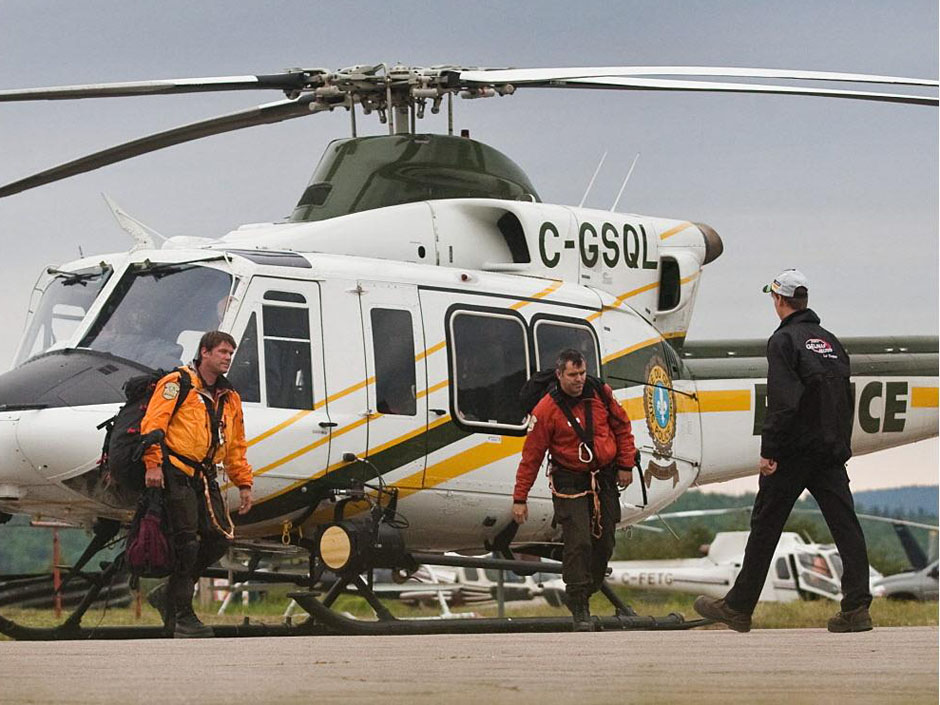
189, 431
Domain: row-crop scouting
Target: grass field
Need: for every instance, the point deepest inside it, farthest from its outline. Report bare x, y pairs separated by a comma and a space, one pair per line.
793, 615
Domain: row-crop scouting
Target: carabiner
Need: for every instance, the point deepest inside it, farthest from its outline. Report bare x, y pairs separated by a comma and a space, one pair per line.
590, 454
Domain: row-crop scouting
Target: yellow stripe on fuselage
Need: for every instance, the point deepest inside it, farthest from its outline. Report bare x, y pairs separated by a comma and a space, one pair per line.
674, 231
632, 348
540, 295
395, 441
924, 397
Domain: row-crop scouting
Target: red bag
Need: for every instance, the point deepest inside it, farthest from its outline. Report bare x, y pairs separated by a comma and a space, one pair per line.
149, 551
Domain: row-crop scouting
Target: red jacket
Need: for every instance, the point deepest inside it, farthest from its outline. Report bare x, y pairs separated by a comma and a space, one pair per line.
549, 430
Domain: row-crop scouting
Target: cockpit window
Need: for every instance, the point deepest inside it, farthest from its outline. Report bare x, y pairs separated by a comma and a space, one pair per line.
64, 303
156, 315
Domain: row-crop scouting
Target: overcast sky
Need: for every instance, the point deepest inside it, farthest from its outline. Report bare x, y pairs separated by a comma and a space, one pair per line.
846, 191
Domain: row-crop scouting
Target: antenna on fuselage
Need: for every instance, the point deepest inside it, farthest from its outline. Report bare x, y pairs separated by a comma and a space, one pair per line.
591, 183
624, 185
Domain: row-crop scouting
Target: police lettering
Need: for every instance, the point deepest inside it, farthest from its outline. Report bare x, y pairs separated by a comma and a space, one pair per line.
869, 413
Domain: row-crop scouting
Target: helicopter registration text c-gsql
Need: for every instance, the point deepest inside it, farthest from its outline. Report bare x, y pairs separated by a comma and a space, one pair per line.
634, 246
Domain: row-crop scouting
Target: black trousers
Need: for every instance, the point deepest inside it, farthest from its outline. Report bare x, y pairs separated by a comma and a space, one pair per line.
829, 485
585, 556
198, 545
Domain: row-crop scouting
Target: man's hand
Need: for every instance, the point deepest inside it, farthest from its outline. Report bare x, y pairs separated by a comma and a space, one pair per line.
624, 478
520, 512
767, 467
154, 477
244, 495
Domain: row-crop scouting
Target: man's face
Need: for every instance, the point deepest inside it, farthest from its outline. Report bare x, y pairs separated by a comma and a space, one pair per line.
571, 379
219, 359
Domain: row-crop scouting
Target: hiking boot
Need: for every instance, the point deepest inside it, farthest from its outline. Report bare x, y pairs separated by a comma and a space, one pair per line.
157, 599
189, 626
857, 620
581, 616
712, 608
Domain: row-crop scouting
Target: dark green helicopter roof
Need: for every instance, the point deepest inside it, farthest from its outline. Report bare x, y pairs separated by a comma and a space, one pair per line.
363, 173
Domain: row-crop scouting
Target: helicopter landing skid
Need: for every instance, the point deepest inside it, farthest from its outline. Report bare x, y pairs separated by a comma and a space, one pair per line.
387, 625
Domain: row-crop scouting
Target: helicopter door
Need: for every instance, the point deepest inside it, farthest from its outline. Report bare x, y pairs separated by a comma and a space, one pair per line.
397, 390
278, 371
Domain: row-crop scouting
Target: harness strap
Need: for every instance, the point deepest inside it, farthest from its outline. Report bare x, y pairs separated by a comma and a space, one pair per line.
596, 528
586, 434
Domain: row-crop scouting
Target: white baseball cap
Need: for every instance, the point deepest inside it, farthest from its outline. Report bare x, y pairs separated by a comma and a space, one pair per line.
787, 282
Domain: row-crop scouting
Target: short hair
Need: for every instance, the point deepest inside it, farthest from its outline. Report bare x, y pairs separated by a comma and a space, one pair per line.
568, 355
211, 340
799, 301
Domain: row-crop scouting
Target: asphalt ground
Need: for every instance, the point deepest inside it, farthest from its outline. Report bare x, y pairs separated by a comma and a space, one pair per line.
890, 665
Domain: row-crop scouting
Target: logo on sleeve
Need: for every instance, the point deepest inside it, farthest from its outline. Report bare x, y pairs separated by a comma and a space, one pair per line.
171, 390
532, 421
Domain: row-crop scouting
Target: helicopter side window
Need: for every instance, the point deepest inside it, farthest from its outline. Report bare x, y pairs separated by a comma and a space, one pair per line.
244, 372
64, 303
287, 357
489, 365
553, 336
782, 569
670, 287
393, 348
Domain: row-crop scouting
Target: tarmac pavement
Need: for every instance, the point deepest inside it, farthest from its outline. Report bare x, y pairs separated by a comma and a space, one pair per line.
890, 665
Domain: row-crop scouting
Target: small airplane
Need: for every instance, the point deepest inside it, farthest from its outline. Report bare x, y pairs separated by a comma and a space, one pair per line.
800, 569
386, 327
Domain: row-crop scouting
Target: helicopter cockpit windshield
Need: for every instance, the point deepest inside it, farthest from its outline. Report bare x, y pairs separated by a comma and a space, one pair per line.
64, 302
157, 313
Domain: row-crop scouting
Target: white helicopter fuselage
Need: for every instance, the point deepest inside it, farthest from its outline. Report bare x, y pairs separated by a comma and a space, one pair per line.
402, 335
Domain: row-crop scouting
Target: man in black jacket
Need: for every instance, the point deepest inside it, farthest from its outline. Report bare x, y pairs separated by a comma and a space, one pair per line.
805, 443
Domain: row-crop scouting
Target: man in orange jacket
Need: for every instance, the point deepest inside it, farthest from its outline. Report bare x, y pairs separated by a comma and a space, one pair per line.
592, 454
207, 429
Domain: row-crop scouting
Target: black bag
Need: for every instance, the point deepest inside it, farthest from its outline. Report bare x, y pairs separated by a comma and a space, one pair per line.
122, 455
148, 551
544, 382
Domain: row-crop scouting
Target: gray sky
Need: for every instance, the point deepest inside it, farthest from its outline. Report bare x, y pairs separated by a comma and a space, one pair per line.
846, 191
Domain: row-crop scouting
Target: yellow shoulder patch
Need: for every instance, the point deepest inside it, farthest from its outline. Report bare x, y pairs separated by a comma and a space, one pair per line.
171, 390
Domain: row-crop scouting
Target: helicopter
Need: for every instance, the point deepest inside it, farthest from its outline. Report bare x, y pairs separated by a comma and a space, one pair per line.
385, 328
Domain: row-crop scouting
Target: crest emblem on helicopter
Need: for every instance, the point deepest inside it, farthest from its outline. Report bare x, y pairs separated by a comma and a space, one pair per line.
659, 405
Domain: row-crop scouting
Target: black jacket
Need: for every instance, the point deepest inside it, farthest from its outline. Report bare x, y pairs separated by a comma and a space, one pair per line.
809, 398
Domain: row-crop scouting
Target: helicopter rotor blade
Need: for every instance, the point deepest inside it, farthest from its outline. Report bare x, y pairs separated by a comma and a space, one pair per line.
260, 115
288, 82
521, 77
640, 84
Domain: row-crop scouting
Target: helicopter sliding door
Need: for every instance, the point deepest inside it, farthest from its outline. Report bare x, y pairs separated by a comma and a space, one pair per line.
397, 392
278, 370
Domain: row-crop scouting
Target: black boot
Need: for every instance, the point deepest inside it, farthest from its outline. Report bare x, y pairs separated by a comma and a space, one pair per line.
581, 615
157, 598
189, 626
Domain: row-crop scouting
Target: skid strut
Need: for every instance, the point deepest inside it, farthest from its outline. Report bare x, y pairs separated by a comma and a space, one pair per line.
494, 625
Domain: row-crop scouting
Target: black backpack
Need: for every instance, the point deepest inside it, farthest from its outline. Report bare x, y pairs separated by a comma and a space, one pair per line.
544, 382
122, 454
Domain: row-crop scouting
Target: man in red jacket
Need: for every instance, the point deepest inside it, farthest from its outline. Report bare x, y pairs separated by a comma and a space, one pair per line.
591, 456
